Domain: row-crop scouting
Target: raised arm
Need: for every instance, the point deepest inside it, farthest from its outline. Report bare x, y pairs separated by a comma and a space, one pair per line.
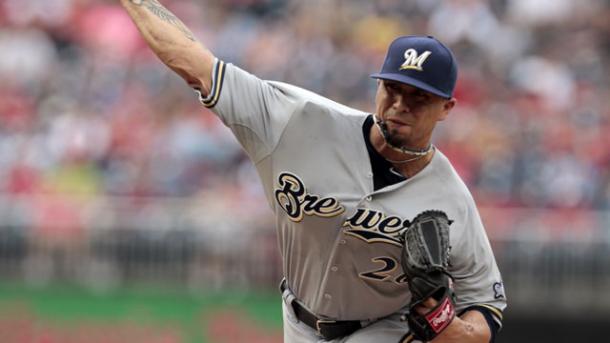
173, 42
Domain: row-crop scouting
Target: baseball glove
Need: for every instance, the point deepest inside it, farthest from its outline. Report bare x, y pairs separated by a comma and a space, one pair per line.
425, 258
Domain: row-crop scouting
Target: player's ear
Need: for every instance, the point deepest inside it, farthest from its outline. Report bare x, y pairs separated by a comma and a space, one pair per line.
448, 105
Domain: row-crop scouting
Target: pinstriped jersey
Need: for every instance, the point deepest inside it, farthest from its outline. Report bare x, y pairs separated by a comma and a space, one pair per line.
338, 236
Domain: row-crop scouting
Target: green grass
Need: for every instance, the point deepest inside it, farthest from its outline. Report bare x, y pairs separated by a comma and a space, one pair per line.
68, 306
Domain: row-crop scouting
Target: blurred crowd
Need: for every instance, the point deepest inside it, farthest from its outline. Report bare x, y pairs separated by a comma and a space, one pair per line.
86, 110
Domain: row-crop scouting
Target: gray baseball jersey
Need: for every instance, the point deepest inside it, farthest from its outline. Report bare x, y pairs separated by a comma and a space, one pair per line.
338, 237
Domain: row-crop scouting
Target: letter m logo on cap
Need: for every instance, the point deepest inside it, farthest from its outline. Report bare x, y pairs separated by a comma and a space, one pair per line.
413, 60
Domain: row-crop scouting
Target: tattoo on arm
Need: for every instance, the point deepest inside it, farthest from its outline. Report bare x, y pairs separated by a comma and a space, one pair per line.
164, 14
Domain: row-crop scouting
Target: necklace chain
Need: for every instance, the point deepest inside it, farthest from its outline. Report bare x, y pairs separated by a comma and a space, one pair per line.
404, 161
418, 153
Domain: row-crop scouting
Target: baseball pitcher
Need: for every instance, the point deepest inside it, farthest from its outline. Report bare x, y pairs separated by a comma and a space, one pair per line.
380, 238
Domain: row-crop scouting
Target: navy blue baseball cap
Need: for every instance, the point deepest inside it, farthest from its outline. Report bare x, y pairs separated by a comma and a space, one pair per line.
422, 62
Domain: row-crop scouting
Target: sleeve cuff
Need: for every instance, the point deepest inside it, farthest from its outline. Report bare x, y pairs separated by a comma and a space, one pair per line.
407, 338
217, 80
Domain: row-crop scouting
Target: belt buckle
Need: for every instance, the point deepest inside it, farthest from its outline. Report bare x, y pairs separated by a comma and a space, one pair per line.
323, 321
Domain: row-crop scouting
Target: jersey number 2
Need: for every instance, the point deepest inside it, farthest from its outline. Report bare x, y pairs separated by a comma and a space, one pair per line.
384, 273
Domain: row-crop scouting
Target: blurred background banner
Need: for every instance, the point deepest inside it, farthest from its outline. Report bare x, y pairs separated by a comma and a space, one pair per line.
128, 213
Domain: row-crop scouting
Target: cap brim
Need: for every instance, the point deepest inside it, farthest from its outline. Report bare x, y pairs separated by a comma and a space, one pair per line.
410, 81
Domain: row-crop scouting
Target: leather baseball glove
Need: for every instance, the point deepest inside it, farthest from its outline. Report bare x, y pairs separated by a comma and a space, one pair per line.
425, 258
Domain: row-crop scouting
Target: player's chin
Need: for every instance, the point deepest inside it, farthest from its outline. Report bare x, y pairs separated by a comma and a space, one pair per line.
400, 132
398, 140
